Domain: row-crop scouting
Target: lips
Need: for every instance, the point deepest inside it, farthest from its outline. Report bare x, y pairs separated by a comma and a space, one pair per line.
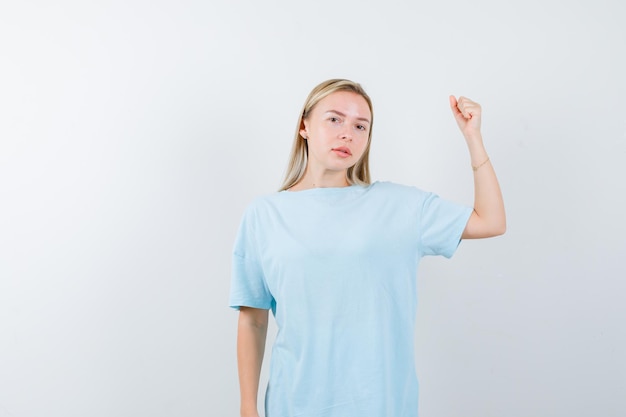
342, 151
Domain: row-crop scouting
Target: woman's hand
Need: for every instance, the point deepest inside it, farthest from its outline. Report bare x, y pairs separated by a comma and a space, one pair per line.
467, 115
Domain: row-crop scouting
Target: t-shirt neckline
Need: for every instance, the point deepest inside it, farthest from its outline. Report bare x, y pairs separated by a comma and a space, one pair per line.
324, 190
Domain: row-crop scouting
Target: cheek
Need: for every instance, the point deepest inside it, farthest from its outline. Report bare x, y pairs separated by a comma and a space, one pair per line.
362, 146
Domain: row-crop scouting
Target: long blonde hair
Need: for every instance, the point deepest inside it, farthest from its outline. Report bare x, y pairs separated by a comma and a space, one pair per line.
359, 173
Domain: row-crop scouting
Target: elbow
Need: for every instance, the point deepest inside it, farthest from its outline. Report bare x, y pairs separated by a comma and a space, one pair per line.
499, 229
498, 226
494, 230
484, 227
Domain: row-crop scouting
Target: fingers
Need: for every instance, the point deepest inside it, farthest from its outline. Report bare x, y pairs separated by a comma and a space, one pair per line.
453, 105
466, 107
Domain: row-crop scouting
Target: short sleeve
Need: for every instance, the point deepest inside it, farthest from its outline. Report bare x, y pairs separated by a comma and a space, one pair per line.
248, 286
441, 225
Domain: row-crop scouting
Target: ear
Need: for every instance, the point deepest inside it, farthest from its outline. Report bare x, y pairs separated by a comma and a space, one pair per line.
304, 132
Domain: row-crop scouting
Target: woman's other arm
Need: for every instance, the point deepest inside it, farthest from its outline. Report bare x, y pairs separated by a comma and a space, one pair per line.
488, 218
251, 335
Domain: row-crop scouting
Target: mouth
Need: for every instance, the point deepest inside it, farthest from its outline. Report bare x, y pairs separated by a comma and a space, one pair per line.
342, 151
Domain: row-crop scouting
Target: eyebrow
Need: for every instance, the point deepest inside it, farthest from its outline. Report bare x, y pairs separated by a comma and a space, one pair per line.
363, 119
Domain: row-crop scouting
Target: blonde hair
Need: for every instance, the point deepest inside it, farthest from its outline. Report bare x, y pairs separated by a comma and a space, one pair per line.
359, 173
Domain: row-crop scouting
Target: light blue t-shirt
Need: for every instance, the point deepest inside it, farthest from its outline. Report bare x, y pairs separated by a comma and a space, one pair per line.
338, 268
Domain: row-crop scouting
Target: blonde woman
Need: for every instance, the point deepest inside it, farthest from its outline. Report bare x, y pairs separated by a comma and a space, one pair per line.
335, 258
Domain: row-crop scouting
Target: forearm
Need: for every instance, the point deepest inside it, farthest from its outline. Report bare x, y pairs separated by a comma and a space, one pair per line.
488, 201
251, 336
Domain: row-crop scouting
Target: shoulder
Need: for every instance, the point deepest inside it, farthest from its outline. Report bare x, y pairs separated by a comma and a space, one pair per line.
262, 202
400, 190
265, 206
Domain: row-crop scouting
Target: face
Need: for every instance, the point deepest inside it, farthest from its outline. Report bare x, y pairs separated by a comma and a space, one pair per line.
337, 131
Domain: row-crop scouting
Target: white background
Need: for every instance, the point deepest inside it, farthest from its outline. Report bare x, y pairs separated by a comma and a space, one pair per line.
134, 133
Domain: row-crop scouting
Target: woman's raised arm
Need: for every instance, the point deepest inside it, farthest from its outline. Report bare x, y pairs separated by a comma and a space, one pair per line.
488, 218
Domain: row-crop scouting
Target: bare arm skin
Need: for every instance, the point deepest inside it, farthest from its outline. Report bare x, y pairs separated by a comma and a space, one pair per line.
251, 336
488, 218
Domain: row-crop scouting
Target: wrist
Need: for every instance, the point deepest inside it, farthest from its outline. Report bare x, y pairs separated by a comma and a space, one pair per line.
477, 151
477, 167
473, 137
472, 134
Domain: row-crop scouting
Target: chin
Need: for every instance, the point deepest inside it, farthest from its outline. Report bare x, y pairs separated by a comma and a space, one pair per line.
340, 167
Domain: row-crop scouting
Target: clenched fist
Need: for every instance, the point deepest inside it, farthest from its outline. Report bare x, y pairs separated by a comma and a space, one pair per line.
467, 114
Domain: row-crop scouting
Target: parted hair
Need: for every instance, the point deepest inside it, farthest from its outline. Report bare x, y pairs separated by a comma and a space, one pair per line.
359, 173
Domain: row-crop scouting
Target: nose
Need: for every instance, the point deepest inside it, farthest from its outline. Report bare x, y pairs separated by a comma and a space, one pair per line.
346, 134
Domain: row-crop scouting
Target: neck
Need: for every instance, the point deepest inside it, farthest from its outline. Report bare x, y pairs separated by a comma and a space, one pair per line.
323, 179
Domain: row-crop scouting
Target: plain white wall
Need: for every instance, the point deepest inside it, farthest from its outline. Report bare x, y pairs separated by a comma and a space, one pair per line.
134, 133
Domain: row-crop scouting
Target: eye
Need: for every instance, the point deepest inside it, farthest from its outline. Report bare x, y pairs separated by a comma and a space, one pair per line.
333, 119
361, 127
